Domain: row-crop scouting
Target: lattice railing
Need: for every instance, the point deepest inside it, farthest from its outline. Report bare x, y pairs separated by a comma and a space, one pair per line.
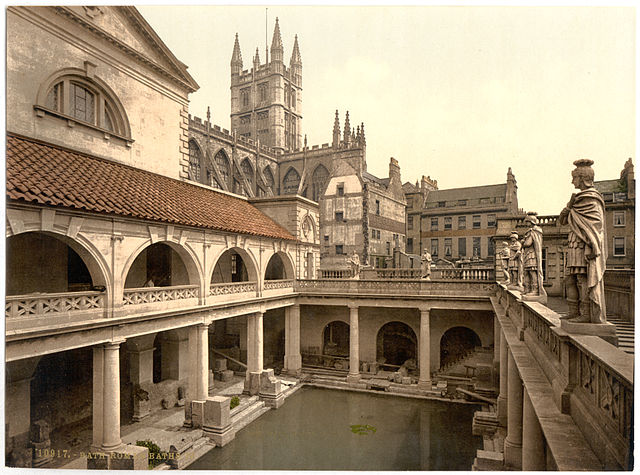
227, 288
278, 284
24, 306
144, 295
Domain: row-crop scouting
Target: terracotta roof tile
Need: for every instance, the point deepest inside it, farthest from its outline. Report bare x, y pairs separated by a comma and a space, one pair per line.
46, 174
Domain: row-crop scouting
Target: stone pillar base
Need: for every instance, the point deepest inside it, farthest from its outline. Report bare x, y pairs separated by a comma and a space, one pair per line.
271, 389
512, 455
502, 411
217, 425
425, 385
353, 378
252, 383
295, 373
534, 298
197, 414
293, 363
126, 457
606, 331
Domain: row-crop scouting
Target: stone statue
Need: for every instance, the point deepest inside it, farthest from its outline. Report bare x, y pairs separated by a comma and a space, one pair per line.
532, 261
354, 261
504, 260
515, 262
425, 265
587, 253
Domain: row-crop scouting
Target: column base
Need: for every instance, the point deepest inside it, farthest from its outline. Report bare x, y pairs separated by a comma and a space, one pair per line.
197, 414
512, 455
502, 411
425, 385
293, 363
252, 383
221, 436
353, 378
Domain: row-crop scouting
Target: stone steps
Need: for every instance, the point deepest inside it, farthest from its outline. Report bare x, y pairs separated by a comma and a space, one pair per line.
249, 414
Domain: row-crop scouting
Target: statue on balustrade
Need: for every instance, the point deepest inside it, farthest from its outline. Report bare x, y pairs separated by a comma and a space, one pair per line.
515, 262
503, 255
587, 253
533, 277
425, 265
354, 262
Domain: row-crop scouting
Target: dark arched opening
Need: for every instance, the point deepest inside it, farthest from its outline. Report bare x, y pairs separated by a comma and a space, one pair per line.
230, 268
456, 343
336, 339
275, 269
157, 266
396, 343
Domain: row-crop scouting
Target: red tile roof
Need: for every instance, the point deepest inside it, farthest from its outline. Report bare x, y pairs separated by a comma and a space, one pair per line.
49, 175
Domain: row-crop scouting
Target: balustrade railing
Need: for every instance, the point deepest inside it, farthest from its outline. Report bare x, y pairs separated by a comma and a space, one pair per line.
398, 273
226, 288
143, 295
335, 274
485, 274
278, 284
33, 305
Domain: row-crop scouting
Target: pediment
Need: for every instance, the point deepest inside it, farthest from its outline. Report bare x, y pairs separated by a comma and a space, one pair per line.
127, 26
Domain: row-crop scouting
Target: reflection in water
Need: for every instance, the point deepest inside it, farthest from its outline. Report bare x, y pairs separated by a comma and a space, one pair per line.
313, 431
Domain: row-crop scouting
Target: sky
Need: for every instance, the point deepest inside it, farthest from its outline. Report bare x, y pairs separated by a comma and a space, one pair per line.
458, 93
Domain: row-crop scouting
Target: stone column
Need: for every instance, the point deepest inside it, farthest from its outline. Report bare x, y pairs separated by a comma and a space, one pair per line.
513, 442
111, 397
502, 397
202, 363
424, 381
292, 358
354, 345
533, 458
496, 351
254, 353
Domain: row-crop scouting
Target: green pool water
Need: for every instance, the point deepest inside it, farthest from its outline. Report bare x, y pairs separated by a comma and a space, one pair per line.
324, 429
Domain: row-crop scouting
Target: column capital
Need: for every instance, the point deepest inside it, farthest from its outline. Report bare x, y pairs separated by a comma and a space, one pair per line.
352, 304
424, 308
115, 344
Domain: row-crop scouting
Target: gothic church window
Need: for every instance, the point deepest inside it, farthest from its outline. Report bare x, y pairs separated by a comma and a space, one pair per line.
222, 162
268, 177
291, 182
247, 169
319, 182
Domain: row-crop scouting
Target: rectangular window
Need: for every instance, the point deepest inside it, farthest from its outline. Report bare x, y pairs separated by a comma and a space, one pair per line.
340, 189
447, 247
410, 245
491, 220
544, 264
339, 249
410, 223
447, 222
476, 221
618, 246
388, 248
462, 202
619, 196
476, 246
378, 207
462, 247
434, 247
462, 222
378, 233
442, 204
326, 238
434, 224
607, 197
491, 248
339, 216
618, 218
234, 263
373, 234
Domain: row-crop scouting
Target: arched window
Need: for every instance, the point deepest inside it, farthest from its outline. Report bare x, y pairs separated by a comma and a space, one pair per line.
247, 169
72, 94
291, 182
222, 162
319, 182
195, 161
268, 177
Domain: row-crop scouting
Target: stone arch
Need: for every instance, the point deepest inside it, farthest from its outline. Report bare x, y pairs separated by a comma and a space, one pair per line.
279, 264
291, 182
319, 180
268, 177
456, 342
84, 248
335, 338
186, 254
309, 229
249, 261
396, 342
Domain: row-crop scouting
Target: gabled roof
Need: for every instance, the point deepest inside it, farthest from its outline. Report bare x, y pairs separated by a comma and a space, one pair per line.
374, 179
468, 193
409, 187
608, 186
49, 175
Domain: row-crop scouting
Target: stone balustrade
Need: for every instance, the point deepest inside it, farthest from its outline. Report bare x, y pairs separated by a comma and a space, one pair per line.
278, 284
591, 379
397, 287
391, 273
146, 295
36, 305
227, 288
483, 274
335, 274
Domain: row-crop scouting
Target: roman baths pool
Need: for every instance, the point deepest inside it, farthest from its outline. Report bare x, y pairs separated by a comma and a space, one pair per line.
326, 429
